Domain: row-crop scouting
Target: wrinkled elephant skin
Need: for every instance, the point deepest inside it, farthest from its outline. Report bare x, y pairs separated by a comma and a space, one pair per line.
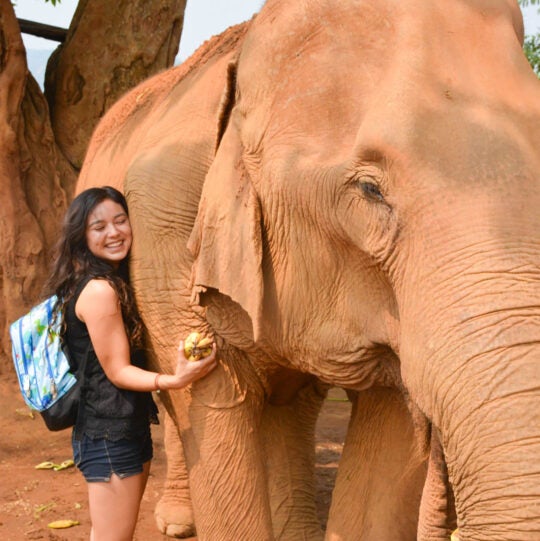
346, 193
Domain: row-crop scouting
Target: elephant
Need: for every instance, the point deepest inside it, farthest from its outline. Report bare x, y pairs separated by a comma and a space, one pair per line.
345, 193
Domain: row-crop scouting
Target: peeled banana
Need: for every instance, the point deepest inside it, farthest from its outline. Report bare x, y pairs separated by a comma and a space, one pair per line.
64, 465
196, 347
46, 466
66, 523
56, 467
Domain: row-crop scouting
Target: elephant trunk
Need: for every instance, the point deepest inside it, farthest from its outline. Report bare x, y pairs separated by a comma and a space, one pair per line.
485, 403
470, 351
492, 445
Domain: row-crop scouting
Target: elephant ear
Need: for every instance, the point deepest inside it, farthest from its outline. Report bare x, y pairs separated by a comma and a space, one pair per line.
226, 240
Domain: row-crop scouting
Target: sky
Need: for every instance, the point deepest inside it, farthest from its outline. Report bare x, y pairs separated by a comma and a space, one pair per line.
202, 19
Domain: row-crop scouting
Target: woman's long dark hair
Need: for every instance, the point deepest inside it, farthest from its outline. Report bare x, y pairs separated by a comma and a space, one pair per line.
73, 261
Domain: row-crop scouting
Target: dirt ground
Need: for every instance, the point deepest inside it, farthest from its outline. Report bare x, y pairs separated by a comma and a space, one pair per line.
30, 499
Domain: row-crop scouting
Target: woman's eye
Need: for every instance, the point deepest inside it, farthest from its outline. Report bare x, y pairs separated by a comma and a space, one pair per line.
371, 191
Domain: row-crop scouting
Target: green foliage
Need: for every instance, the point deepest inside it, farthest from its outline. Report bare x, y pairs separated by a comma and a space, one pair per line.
532, 51
531, 46
53, 2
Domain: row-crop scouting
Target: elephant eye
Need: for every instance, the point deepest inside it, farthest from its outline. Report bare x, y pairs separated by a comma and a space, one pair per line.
371, 191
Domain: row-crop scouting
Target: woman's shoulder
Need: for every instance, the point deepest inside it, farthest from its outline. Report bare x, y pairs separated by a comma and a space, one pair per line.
100, 289
98, 295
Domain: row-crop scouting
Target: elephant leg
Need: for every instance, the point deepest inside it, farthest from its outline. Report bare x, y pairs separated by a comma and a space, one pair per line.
381, 473
220, 431
288, 433
437, 511
174, 513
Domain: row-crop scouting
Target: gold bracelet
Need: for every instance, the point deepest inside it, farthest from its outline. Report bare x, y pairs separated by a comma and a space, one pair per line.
156, 382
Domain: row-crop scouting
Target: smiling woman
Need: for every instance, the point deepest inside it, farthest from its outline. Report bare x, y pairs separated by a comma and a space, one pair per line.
112, 444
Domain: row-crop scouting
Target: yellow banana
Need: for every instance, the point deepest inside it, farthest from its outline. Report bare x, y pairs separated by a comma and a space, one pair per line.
64, 465
189, 344
204, 342
46, 466
66, 523
197, 347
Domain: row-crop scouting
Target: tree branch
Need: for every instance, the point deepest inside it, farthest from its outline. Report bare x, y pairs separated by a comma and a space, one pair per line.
54, 33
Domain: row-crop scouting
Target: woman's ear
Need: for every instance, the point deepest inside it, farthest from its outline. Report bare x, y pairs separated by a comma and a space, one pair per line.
226, 241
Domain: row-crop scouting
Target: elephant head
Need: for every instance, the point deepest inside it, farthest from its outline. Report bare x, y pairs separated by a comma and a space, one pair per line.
372, 215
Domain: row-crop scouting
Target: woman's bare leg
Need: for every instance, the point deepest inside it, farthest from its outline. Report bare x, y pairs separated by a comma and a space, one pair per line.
114, 506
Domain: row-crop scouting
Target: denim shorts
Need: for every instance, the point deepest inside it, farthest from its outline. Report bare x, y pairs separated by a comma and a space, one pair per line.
99, 458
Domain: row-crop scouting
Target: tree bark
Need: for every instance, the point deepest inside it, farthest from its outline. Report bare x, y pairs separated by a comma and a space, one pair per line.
33, 199
110, 47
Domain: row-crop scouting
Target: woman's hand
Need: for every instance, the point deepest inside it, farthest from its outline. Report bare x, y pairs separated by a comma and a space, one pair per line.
189, 371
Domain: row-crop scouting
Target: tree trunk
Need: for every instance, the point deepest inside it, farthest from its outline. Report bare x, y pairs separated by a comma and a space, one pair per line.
33, 200
110, 48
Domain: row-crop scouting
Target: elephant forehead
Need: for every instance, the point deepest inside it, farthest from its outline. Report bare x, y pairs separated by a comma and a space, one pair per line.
353, 36
287, 79
316, 68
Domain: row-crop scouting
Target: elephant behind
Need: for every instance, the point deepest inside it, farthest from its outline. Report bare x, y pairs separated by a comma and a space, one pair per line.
346, 193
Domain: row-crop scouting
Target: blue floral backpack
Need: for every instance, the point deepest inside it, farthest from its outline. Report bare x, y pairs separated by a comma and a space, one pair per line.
42, 366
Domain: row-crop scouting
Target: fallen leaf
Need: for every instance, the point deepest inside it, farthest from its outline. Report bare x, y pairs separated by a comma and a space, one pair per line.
43, 507
25, 412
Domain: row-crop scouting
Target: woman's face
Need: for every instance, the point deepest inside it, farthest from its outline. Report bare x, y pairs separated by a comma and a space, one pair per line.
108, 232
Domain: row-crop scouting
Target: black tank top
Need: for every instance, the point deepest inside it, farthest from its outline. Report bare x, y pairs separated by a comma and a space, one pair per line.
106, 411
